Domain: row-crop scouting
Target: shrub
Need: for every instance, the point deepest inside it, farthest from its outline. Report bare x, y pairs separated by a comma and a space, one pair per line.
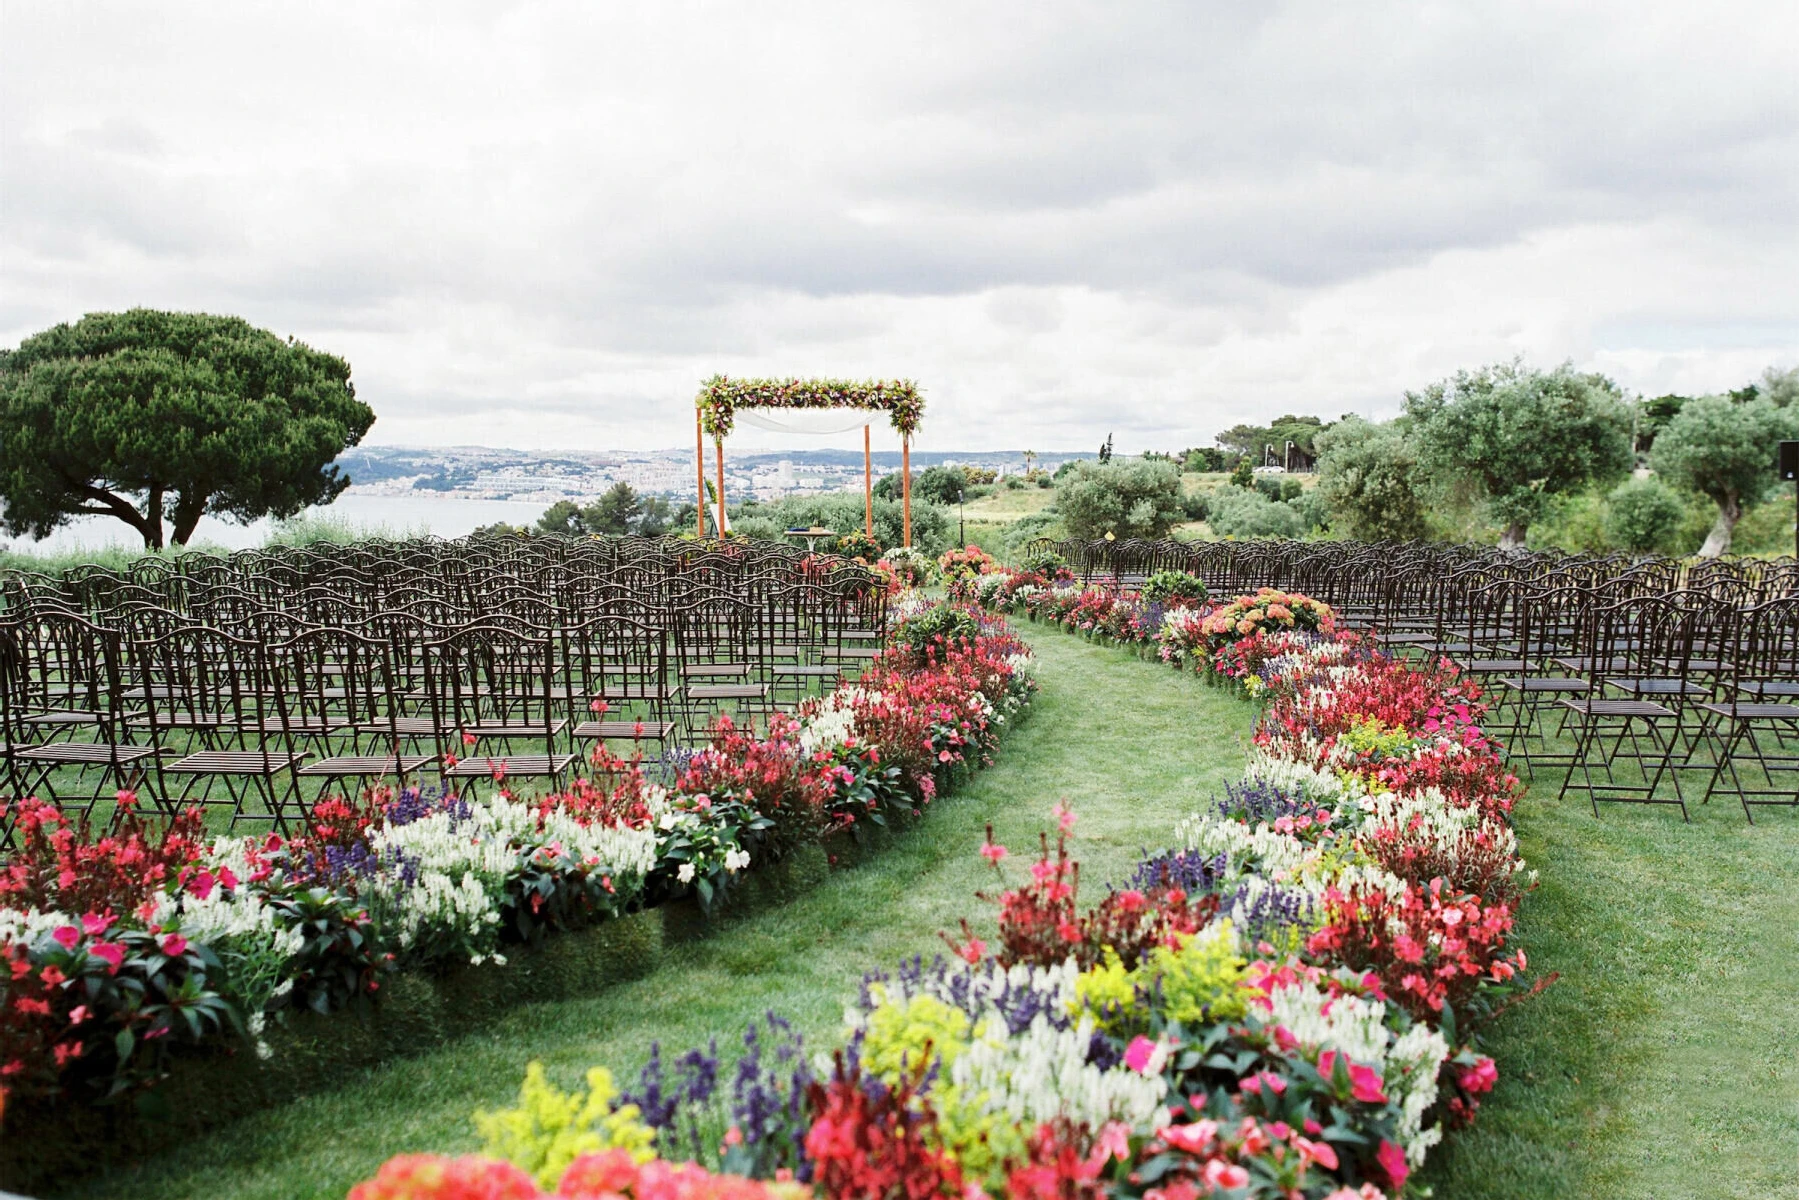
941, 623
1174, 586
857, 544
1135, 499
1043, 562
1644, 516
1241, 513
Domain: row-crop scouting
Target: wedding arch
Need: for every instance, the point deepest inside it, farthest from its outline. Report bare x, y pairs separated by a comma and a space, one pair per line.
856, 403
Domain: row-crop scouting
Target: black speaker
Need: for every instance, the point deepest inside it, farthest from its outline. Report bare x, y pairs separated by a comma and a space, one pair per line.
1789, 460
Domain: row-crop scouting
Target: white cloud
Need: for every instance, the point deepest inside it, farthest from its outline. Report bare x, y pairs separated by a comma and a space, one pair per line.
544, 224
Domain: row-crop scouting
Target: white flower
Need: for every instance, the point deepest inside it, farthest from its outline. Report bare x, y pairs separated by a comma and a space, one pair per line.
735, 860
685, 874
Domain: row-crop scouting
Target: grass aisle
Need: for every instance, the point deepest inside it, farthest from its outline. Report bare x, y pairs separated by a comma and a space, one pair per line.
1133, 747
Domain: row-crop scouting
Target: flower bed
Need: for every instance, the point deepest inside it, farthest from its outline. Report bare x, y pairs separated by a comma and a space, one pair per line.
1287, 1001
135, 952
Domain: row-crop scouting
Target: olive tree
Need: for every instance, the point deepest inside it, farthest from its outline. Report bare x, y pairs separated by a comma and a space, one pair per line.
143, 415
1368, 475
1136, 498
1511, 437
1726, 452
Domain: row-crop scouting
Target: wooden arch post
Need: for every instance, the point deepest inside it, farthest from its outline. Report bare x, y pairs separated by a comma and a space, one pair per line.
699, 467
906, 484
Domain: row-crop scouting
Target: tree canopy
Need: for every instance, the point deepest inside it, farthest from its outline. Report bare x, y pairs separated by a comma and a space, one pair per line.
1137, 498
144, 414
1368, 474
619, 511
1512, 437
1725, 451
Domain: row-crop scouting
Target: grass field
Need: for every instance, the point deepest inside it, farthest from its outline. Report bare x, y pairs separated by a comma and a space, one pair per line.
1664, 1064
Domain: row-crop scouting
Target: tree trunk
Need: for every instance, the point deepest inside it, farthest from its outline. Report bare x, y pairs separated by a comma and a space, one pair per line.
187, 515
152, 530
1717, 542
1513, 537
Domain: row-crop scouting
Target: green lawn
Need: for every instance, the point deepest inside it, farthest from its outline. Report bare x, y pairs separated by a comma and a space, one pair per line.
1664, 1064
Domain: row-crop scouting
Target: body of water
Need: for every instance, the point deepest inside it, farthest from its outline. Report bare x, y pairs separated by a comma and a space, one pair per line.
446, 516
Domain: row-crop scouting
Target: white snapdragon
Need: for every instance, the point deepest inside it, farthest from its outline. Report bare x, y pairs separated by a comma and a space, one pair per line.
1043, 1073
1356, 1028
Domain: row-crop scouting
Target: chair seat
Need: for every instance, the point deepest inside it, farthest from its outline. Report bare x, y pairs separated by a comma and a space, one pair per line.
1754, 711
727, 691
181, 720
1617, 708
1491, 666
515, 729
809, 672
514, 765
715, 670
1768, 687
1549, 683
83, 754
315, 726
60, 717
1659, 687
633, 691
653, 731
234, 762
348, 765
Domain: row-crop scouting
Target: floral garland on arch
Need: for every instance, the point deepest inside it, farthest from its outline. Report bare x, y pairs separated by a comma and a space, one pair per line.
720, 398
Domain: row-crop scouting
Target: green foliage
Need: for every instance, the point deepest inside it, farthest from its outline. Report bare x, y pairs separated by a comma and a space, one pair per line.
1251, 440
143, 414
948, 622
1246, 513
1724, 451
1043, 562
1643, 516
1205, 459
1512, 437
842, 512
618, 512
1028, 528
551, 1128
1137, 498
1243, 475
857, 544
1170, 585
1367, 475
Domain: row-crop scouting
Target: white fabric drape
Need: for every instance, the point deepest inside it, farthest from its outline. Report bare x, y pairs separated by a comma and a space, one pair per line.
811, 421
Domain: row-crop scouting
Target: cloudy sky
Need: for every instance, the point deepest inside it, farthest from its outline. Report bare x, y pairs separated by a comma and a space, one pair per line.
542, 225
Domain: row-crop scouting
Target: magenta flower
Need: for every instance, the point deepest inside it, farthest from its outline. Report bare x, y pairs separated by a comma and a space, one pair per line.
94, 924
67, 936
110, 953
993, 852
1392, 1161
174, 945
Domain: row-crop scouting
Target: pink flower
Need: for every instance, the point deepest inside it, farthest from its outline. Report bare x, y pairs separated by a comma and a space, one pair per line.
94, 924
1064, 817
1144, 1056
1192, 1138
944, 756
1364, 1082
110, 953
974, 951
67, 936
1322, 1153
993, 852
174, 945
1222, 1176
1480, 1077
1392, 1161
